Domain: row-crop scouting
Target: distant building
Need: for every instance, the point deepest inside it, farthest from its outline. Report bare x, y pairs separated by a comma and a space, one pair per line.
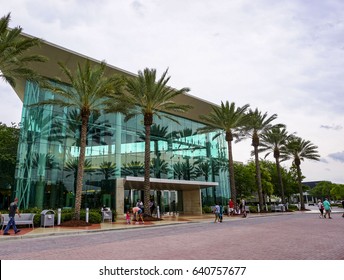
310, 200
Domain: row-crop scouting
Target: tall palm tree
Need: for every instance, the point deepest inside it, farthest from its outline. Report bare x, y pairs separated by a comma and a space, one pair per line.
158, 133
271, 142
90, 91
298, 150
256, 124
14, 60
72, 166
228, 119
148, 96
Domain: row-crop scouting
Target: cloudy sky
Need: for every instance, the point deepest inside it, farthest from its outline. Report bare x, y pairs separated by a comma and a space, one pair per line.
283, 57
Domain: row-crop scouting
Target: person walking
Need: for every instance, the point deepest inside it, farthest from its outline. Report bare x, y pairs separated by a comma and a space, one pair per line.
230, 207
173, 208
327, 208
321, 208
13, 210
220, 212
151, 206
217, 213
243, 208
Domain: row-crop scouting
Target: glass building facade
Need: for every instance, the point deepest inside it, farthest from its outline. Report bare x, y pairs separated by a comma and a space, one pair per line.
49, 148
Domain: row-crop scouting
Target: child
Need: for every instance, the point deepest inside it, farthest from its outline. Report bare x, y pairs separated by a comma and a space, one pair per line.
127, 217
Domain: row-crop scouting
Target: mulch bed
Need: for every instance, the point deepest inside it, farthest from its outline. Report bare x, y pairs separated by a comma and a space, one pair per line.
149, 218
81, 223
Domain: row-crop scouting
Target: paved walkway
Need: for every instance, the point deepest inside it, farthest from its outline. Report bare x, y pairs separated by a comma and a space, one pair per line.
120, 224
285, 236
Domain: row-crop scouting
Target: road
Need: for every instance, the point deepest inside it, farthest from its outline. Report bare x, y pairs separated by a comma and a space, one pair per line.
300, 236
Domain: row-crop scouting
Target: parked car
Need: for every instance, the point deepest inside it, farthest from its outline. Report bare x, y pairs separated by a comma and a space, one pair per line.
311, 203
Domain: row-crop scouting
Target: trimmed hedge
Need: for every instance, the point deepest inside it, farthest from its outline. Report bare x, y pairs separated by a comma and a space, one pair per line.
94, 217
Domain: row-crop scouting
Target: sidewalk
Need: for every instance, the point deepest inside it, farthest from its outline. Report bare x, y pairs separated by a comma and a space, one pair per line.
120, 224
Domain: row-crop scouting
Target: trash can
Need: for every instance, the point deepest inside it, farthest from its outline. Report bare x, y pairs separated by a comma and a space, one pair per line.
47, 218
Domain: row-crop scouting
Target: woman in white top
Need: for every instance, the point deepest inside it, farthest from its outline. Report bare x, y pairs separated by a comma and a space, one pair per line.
321, 209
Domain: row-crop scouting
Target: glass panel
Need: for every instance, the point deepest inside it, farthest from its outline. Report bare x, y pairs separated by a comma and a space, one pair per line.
49, 149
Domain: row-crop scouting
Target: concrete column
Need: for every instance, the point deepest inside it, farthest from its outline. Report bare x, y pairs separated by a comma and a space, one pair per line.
120, 196
192, 202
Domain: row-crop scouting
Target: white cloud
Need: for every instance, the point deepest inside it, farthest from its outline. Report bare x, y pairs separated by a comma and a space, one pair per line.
284, 57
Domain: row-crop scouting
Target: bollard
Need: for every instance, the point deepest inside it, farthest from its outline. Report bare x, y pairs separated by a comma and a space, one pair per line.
258, 208
87, 214
58, 216
158, 212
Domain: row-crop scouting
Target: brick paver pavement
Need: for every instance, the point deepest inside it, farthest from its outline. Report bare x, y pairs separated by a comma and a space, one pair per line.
286, 237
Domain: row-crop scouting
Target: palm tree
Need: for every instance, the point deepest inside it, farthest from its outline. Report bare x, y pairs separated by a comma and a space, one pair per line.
271, 142
228, 119
256, 124
149, 97
299, 149
157, 134
90, 91
108, 169
133, 168
14, 63
207, 168
72, 166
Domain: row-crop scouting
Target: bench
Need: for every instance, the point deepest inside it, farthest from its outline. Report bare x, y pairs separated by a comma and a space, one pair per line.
277, 208
106, 215
24, 219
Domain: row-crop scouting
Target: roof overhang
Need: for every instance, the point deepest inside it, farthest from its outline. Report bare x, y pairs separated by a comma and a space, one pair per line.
51, 69
166, 184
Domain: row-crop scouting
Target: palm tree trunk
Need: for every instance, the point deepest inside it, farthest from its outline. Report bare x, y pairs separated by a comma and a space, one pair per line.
231, 173
258, 177
299, 179
81, 166
146, 184
279, 174
157, 170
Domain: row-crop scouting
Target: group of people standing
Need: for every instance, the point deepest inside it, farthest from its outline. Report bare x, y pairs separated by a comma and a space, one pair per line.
138, 211
232, 210
239, 209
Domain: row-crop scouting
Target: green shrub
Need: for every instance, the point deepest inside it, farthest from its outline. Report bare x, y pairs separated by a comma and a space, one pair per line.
253, 209
66, 216
94, 216
206, 209
37, 220
292, 207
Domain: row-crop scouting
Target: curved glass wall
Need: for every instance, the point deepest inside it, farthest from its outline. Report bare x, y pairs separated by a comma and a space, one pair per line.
49, 148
